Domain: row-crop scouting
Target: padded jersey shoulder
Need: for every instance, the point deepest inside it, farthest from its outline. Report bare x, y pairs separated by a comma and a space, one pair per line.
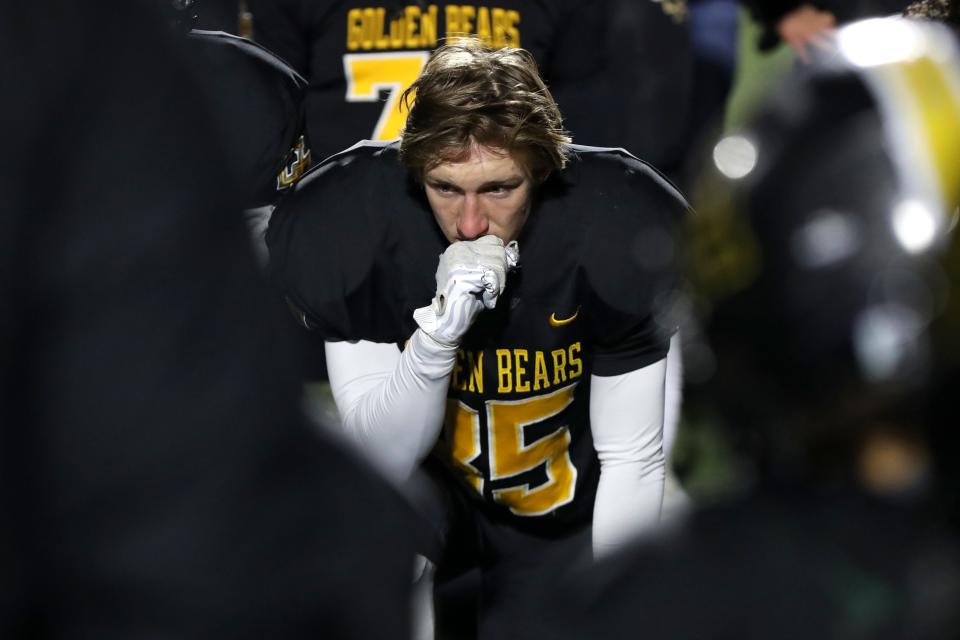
628, 217
355, 246
256, 56
257, 103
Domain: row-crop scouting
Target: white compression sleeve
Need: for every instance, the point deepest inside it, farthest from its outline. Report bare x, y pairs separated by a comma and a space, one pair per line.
391, 403
626, 414
673, 397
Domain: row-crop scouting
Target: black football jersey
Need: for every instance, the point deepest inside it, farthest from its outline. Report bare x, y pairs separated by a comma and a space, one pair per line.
257, 103
356, 248
359, 56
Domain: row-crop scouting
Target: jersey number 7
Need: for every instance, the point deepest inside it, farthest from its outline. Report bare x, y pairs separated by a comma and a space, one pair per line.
368, 74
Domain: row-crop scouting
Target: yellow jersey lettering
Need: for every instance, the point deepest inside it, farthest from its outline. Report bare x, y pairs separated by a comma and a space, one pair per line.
382, 41
453, 20
411, 17
462, 425
499, 28
540, 378
368, 28
354, 29
398, 28
483, 26
455, 381
467, 13
576, 363
513, 453
475, 366
559, 365
428, 28
493, 26
511, 28
505, 377
373, 28
520, 358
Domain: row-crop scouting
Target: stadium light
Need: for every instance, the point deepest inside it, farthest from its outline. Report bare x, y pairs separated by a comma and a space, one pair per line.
914, 225
735, 157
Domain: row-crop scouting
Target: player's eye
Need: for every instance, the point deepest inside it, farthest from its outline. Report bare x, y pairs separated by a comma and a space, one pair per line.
444, 188
500, 189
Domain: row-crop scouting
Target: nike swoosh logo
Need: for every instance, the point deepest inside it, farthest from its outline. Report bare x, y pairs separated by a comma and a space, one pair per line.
557, 322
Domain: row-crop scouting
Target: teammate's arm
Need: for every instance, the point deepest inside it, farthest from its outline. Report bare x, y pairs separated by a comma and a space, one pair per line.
796, 22
391, 403
626, 416
806, 27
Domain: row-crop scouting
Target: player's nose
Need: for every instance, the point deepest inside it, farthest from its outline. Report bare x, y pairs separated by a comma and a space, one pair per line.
473, 222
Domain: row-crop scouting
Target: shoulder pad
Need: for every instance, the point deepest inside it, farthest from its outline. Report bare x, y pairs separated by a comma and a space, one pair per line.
630, 249
353, 246
257, 103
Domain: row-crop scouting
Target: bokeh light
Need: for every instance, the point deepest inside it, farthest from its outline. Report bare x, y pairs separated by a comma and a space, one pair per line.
735, 156
915, 225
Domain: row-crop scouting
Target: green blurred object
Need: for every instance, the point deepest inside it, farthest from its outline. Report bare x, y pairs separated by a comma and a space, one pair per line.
757, 73
706, 464
705, 461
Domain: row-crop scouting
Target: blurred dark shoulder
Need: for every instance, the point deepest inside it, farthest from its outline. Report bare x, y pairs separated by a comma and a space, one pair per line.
256, 100
790, 563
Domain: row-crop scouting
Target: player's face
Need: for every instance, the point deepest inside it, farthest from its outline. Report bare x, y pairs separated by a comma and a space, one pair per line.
488, 193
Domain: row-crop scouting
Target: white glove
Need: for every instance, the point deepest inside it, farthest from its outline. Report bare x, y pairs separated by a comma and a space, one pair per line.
471, 275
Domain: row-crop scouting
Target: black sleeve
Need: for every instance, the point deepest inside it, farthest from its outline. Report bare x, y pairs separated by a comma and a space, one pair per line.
630, 262
282, 27
156, 479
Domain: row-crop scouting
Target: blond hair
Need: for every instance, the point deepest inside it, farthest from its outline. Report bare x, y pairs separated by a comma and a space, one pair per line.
469, 94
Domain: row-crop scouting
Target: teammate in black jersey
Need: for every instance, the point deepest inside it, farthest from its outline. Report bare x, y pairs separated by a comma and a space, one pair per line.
360, 56
620, 68
518, 368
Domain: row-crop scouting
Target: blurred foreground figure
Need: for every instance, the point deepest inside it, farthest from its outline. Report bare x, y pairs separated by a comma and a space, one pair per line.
825, 283
156, 479
257, 103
